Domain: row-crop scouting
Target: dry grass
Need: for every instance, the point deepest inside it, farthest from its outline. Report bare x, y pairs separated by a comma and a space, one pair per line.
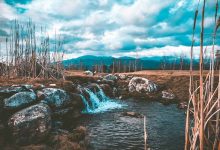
203, 127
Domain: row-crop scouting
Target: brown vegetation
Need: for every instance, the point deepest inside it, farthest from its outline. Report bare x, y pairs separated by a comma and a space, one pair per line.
203, 128
28, 55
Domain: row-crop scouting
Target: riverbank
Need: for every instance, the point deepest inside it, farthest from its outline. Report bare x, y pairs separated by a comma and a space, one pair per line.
46, 106
175, 81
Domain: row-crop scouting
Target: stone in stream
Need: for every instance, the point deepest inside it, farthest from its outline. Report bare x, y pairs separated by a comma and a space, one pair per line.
182, 105
132, 114
30, 125
19, 100
168, 95
142, 85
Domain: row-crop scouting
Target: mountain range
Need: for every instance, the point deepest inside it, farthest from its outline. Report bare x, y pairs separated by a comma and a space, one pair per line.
150, 63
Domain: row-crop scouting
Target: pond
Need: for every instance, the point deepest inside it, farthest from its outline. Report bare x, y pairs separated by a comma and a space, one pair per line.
109, 130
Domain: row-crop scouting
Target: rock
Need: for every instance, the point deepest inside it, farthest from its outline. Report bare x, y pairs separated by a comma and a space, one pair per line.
110, 77
8, 91
130, 77
168, 95
107, 89
88, 73
93, 87
30, 125
122, 76
110, 82
142, 85
27, 86
182, 105
55, 98
38, 86
20, 100
132, 114
64, 105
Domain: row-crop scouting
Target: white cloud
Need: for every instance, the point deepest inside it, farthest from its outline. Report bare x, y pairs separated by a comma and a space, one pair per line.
66, 8
156, 41
165, 51
140, 12
7, 11
88, 44
96, 18
177, 6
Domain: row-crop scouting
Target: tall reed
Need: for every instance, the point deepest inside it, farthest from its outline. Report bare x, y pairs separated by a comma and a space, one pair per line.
203, 112
31, 56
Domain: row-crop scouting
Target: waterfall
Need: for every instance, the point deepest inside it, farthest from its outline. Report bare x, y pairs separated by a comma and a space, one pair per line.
101, 94
98, 102
93, 98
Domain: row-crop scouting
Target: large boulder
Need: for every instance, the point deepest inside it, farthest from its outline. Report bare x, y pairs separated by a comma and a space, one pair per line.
8, 91
142, 85
64, 105
72, 108
20, 100
30, 125
55, 98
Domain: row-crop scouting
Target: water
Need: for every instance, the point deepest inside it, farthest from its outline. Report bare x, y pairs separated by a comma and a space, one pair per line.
109, 130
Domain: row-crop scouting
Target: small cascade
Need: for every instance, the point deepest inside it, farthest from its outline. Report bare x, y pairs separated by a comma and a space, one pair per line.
93, 98
101, 94
98, 102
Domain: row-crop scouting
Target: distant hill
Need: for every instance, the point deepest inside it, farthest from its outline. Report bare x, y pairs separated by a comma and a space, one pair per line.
150, 63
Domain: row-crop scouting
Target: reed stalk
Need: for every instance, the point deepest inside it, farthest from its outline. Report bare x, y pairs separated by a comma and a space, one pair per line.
202, 127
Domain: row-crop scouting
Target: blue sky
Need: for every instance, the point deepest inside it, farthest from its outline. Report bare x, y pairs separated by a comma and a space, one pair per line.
113, 27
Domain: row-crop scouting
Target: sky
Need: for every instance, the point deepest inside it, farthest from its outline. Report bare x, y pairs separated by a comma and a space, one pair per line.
134, 28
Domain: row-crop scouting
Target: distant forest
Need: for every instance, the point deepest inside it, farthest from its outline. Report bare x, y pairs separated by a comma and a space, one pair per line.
129, 64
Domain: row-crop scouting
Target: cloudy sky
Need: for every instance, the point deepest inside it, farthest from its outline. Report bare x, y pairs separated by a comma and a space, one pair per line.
113, 27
